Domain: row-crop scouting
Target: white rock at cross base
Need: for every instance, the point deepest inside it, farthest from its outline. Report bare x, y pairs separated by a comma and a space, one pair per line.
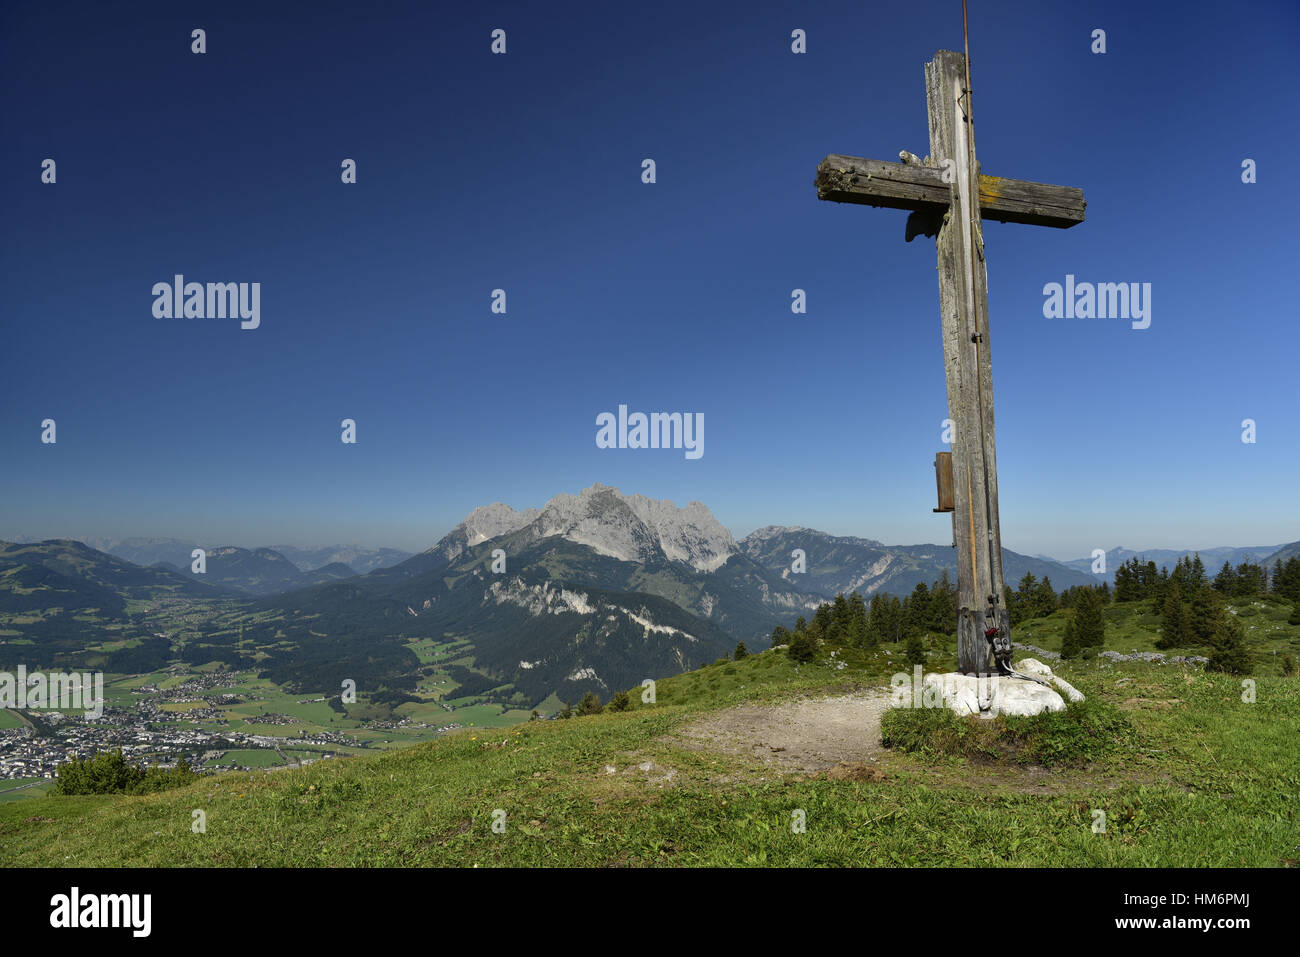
991, 696
987, 696
1032, 666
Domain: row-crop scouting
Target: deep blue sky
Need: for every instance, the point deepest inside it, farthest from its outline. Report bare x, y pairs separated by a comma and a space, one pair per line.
523, 172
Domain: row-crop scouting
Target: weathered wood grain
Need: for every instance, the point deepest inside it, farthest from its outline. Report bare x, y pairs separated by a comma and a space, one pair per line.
851, 179
943, 480
962, 298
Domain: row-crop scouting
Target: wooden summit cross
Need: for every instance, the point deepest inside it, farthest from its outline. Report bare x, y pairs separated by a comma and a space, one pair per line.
938, 191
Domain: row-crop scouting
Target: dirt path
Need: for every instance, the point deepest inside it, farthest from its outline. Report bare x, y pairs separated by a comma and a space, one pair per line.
804, 735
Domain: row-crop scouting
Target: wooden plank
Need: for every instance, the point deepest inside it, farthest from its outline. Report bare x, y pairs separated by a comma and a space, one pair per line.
952, 318
848, 179
943, 479
1035, 204
851, 179
961, 296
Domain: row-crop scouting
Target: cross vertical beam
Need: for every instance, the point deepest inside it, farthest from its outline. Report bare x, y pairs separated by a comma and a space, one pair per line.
963, 304
950, 197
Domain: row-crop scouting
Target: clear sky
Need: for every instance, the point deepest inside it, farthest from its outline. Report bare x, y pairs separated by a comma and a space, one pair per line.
523, 172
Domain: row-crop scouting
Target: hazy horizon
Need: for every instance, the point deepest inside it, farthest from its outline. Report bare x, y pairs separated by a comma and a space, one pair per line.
415, 545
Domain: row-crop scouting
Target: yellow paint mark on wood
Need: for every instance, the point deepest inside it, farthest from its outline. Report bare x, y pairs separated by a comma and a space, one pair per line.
990, 189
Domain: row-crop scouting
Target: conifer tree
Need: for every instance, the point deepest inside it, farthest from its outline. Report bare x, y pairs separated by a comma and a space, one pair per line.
1291, 579
1045, 600
1126, 583
1089, 624
884, 619
943, 607
915, 651
876, 620
1202, 614
1228, 652
1071, 647
1250, 580
1025, 596
1225, 583
842, 615
857, 620
802, 647
1159, 586
1173, 625
916, 611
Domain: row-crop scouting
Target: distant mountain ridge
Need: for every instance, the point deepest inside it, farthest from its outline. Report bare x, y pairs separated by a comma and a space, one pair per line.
255, 571
88, 567
842, 563
359, 558
59, 598
1213, 558
259, 571
1283, 554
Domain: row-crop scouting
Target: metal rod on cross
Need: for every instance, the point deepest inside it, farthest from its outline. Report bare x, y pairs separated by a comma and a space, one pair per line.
975, 241
948, 198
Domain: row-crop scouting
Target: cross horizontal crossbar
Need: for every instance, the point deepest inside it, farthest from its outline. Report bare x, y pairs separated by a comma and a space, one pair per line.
849, 179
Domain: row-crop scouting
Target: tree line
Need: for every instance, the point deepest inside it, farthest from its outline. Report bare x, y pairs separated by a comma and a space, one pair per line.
851, 621
1136, 580
933, 609
1193, 611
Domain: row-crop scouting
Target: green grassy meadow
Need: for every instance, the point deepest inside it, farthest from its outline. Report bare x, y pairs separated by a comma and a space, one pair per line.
1206, 779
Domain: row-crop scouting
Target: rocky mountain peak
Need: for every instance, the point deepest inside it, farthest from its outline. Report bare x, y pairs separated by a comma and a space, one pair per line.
634, 527
630, 528
495, 520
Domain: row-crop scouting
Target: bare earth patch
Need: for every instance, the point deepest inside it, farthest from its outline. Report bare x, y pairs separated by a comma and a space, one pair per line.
804, 735
838, 737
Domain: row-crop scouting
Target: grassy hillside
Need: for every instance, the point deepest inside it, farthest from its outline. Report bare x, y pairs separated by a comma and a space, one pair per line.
1134, 626
1207, 779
